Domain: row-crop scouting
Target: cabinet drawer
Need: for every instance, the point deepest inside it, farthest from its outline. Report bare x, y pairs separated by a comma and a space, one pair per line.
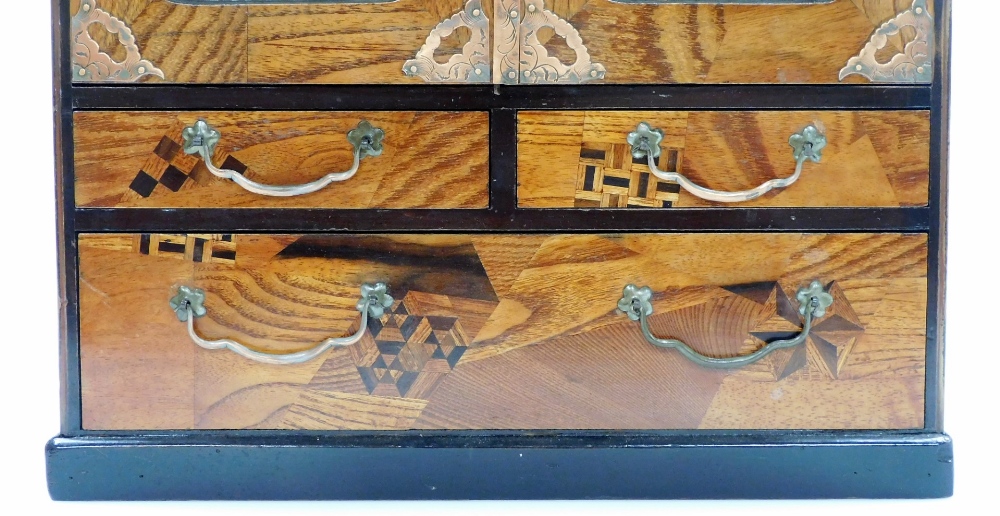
277, 41
725, 41
502, 331
158, 159
595, 159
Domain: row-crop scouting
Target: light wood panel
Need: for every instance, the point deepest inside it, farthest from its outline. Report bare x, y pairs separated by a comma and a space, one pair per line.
678, 43
346, 43
353, 43
190, 44
430, 159
582, 159
503, 331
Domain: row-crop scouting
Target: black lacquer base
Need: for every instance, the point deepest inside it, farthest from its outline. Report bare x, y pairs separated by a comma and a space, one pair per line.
240, 466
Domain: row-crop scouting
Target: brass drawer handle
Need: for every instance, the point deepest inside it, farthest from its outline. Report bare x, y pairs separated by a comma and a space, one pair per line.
189, 304
202, 138
813, 302
807, 145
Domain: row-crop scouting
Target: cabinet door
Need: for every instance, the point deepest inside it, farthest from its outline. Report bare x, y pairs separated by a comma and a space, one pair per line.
715, 41
281, 41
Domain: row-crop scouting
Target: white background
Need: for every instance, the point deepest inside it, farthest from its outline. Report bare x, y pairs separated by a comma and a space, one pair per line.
29, 344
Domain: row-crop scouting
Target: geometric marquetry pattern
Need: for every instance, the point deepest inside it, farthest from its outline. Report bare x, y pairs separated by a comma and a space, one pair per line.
609, 177
198, 248
830, 342
405, 354
169, 168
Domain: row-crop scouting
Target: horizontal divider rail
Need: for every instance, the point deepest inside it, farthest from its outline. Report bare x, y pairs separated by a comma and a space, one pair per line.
480, 98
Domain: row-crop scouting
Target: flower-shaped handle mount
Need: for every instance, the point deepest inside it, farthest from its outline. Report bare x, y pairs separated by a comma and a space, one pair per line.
646, 142
814, 300
189, 304
201, 139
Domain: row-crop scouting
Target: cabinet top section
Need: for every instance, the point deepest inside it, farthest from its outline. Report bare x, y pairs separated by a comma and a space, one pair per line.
412, 42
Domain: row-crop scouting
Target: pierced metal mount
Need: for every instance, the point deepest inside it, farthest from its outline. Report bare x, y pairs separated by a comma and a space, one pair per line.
189, 304
537, 66
472, 65
807, 146
914, 65
201, 139
90, 63
813, 300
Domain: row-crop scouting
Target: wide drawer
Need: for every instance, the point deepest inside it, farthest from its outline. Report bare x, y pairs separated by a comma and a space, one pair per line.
282, 159
600, 159
502, 331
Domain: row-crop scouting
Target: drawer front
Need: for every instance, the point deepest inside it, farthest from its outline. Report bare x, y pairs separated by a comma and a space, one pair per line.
724, 41
410, 160
268, 41
595, 159
502, 331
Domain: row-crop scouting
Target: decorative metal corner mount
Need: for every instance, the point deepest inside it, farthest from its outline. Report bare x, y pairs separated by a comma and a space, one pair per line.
913, 65
90, 63
472, 65
537, 66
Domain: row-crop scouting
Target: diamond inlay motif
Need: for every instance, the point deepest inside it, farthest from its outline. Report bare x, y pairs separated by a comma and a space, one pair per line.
407, 355
831, 340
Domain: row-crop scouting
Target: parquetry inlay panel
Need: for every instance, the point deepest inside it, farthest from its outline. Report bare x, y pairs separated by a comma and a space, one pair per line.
611, 178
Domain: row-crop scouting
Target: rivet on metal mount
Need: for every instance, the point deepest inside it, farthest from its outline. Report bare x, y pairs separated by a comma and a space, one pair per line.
90, 63
202, 138
807, 145
813, 300
537, 66
915, 64
472, 65
189, 304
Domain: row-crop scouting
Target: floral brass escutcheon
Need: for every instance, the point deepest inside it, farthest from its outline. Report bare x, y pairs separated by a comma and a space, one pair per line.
200, 138
645, 141
808, 144
367, 139
377, 299
636, 301
815, 298
188, 301
92, 64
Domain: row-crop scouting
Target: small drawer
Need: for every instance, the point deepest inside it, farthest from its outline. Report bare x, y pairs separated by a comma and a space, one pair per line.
503, 331
719, 41
601, 159
280, 41
282, 159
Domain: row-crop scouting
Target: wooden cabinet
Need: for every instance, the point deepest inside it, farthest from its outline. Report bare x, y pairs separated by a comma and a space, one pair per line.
514, 249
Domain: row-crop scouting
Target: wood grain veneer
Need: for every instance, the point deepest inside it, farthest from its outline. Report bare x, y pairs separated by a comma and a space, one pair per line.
430, 159
706, 43
873, 158
368, 43
502, 332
